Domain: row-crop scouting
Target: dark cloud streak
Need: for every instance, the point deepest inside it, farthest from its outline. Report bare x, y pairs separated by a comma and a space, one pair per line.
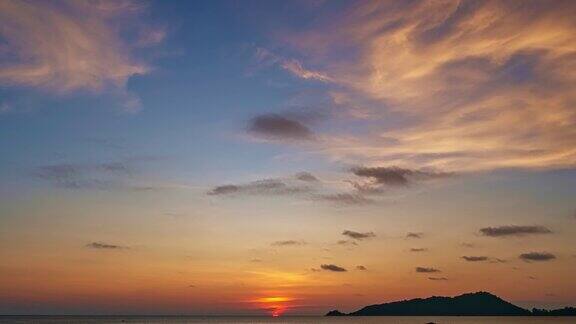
513, 230
358, 235
332, 267
475, 258
426, 270
288, 243
261, 187
396, 176
104, 246
344, 198
537, 256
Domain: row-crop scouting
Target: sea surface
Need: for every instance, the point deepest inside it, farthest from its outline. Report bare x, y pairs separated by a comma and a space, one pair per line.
286, 320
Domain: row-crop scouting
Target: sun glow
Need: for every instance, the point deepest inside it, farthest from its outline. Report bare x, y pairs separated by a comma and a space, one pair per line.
277, 312
273, 299
275, 305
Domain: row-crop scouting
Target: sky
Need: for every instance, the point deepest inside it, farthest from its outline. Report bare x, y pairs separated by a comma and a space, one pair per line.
284, 157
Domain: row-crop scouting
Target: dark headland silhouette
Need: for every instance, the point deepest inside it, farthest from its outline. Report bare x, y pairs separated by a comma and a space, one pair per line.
472, 304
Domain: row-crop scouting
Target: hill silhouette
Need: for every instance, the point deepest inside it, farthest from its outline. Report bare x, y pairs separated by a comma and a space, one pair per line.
472, 304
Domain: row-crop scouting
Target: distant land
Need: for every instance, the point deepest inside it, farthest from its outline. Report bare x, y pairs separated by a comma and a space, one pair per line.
472, 304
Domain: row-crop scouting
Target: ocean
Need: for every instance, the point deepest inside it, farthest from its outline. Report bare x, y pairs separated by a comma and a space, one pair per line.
285, 320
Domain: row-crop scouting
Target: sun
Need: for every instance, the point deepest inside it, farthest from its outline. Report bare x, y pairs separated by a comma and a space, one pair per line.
278, 311
275, 305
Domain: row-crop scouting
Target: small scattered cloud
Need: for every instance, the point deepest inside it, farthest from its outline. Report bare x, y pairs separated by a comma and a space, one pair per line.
514, 230
468, 245
306, 176
497, 260
303, 185
483, 259
256, 260
96, 176
438, 278
368, 189
475, 258
396, 176
261, 187
278, 127
361, 268
346, 242
358, 235
105, 246
332, 267
415, 235
418, 250
288, 243
83, 176
346, 199
224, 190
426, 270
537, 256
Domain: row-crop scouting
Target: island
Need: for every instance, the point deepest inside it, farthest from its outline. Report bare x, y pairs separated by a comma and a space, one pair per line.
471, 304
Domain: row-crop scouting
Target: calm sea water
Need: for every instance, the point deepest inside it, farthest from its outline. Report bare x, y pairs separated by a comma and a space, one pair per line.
284, 320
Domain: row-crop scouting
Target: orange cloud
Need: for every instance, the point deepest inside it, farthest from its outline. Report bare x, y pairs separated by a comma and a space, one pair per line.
70, 45
293, 66
455, 85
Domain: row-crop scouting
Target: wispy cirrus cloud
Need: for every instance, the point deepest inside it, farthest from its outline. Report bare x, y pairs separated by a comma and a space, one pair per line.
273, 186
438, 82
84, 176
344, 198
303, 185
293, 66
67, 46
111, 175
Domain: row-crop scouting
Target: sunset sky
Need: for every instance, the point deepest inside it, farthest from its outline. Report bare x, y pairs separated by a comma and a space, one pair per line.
284, 157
